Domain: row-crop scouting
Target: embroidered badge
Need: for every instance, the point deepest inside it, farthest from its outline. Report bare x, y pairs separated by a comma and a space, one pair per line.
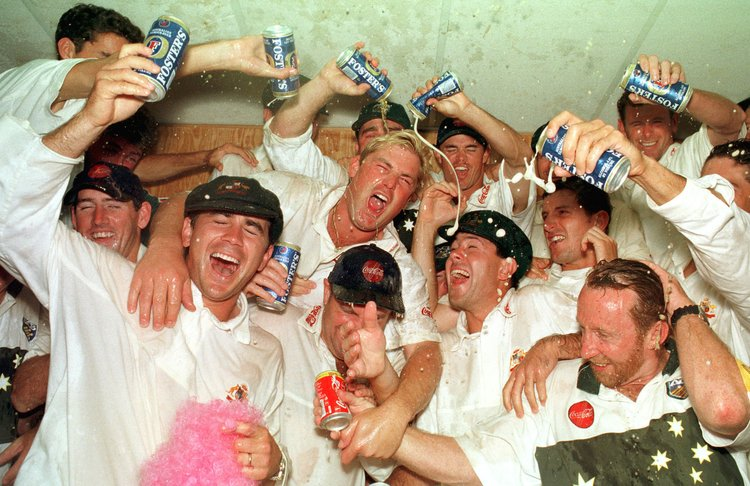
312, 317
516, 358
708, 308
485, 191
426, 312
29, 329
581, 414
238, 392
676, 389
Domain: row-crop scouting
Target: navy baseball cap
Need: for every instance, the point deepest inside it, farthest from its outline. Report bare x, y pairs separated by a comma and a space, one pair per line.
452, 126
116, 181
367, 273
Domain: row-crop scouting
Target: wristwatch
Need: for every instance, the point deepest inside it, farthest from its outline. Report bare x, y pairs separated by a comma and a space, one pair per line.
687, 310
281, 475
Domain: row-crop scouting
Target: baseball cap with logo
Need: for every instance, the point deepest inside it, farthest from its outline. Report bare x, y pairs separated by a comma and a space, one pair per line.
367, 273
237, 195
500, 230
374, 110
116, 181
452, 126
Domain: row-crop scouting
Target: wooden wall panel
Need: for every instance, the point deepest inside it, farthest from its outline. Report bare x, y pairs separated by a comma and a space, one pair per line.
337, 143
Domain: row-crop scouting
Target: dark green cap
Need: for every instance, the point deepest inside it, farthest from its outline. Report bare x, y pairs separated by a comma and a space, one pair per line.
500, 230
237, 195
394, 112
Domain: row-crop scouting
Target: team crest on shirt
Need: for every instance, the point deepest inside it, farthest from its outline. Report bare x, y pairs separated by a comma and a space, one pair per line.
29, 329
676, 389
516, 357
581, 414
485, 191
426, 312
312, 316
708, 308
238, 392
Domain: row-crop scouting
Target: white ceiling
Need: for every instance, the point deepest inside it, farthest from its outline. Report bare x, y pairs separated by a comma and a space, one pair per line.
521, 60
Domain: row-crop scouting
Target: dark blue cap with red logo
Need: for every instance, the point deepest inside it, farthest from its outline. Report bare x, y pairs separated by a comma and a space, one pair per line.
367, 273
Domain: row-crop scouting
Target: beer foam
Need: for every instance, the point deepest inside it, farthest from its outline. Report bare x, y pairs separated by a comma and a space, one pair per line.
530, 175
452, 230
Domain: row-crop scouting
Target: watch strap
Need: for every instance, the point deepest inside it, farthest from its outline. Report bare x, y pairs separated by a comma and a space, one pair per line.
687, 310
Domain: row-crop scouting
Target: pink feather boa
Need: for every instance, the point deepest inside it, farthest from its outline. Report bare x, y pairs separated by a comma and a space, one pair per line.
199, 450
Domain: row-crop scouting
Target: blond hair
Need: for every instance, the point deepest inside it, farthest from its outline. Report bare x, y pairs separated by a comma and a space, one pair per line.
408, 140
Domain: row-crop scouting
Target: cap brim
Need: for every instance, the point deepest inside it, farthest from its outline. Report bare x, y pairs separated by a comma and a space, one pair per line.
213, 206
391, 302
71, 196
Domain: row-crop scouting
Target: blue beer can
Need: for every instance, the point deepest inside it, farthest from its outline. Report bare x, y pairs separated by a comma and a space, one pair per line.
611, 170
353, 63
675, 96
446, 85
167, 39
278, 41
288, 255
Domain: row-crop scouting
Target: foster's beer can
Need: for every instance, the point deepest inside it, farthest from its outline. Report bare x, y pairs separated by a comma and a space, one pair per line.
288, 255
611, 170
168, 39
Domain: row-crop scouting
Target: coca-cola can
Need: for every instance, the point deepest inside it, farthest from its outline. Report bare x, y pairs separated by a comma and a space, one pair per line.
335, 414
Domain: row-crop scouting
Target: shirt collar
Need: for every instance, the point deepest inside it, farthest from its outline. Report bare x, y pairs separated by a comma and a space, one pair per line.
238, 325
504, 309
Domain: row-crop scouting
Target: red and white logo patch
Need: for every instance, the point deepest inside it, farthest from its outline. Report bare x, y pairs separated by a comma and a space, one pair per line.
485, 191
99, 171
372, 271
312, 316
581, 414
426, 312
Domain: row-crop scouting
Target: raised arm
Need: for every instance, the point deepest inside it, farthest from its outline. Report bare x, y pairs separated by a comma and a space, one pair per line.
723, 118
297, 114
161, 283
435, 209
245, 54
710, 372
503, 138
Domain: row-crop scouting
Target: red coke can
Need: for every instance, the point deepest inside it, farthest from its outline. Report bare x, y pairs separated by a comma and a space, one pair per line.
335, 414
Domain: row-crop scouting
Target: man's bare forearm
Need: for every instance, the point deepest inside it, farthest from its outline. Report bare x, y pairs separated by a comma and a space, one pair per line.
418, 381
502, 137
435, 457
30, 384
72, 139
297, 114
723, 117
160, 167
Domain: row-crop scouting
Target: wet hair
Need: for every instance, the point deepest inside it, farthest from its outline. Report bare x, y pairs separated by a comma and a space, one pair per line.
408, 140
589, 197
737, 150
619, 274
139, 130
84, 21
624, 102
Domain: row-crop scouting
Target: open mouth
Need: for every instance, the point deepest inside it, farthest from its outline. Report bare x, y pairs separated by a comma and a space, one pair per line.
458, 276
377, 202
647, 144
556, 239
224, 264
102, 235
